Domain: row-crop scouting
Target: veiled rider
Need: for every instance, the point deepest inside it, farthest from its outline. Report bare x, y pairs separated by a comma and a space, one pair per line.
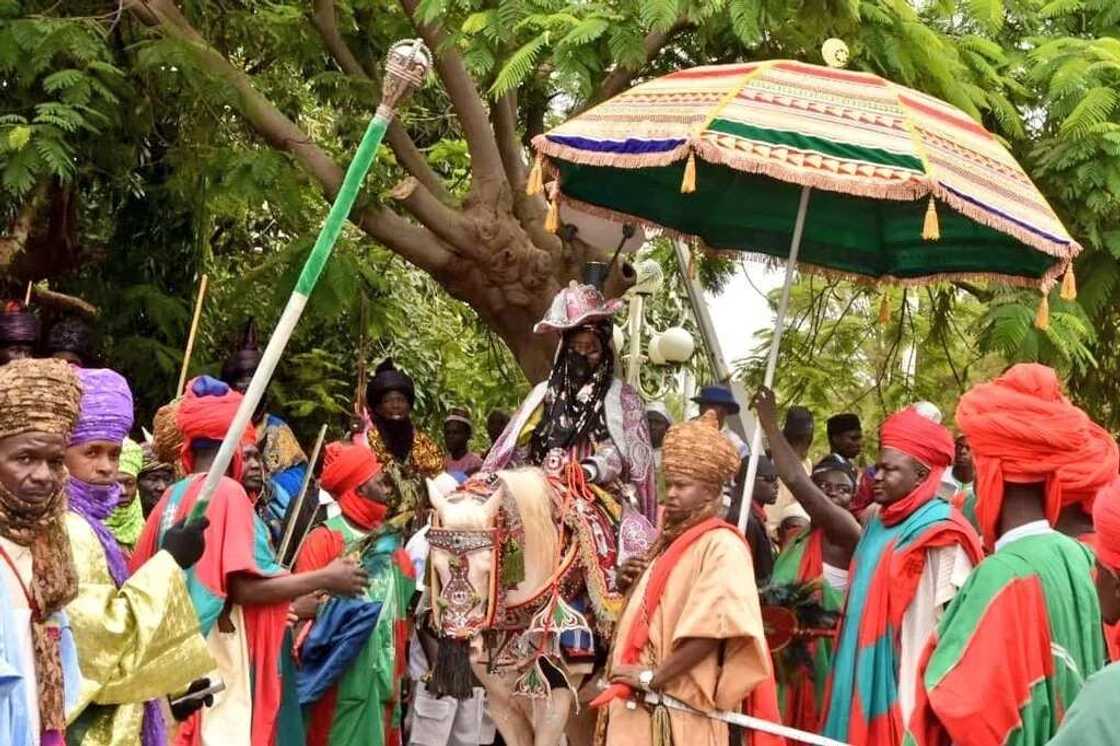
587, 430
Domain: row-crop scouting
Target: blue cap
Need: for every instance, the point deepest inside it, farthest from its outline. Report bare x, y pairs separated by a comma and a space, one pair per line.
718, 395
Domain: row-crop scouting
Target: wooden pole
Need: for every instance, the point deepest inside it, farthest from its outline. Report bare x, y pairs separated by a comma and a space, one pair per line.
297, 507
27, 297
191, 336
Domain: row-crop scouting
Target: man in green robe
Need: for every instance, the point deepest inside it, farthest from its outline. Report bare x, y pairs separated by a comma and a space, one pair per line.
1014, 648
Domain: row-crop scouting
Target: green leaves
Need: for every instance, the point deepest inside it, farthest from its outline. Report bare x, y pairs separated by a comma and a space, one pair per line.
1094, 108
746, 21
519, 65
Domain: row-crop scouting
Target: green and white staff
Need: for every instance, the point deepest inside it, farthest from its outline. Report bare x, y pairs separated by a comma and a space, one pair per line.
407, 65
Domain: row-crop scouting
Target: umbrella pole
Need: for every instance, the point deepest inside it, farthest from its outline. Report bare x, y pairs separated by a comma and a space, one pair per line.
772, 360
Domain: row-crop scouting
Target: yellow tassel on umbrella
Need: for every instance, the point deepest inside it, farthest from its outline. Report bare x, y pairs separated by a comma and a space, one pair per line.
552, 219
885, 309
1069, 284
931, 229
688, 184
536, 176
1042, 318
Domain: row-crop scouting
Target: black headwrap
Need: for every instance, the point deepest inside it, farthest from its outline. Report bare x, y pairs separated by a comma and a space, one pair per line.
18, 325
71, 335
396, 434
842, 423
385, 379
246, 357
573, 410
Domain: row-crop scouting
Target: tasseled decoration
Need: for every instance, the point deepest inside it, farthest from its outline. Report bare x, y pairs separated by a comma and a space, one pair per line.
931, 229
1069, 284
533, 683
535, 184
1042, 318
885, 309
513, 563
661, 726
451, 674
688, 183
552, 219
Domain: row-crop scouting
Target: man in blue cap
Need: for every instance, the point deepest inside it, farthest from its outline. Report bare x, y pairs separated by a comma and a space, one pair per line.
720, 400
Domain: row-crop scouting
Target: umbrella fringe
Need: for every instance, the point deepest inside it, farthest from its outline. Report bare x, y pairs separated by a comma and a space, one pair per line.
904, 191
1046, 282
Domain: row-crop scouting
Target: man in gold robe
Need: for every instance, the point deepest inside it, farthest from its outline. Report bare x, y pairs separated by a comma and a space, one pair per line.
137, 634
691, 628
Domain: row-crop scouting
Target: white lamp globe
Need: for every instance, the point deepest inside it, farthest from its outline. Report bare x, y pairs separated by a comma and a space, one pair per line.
676, 344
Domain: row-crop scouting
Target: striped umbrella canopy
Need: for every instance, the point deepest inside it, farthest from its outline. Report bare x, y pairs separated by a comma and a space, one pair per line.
906, 188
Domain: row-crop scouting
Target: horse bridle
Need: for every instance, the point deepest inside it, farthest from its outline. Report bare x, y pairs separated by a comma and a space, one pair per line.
458, 597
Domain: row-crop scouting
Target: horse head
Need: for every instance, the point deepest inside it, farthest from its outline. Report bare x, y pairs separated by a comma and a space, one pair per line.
472, 534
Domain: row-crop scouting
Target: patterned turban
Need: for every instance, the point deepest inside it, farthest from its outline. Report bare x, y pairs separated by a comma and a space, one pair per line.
38, 396
167, 441
698, 450
1023, 430
106, 411
151, 462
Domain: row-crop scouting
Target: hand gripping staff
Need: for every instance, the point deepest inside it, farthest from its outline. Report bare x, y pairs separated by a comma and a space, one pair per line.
407, 65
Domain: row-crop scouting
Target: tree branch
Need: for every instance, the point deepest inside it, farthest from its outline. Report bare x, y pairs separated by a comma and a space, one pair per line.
487, 174
412, 242
503, 114
433, 214
408, 155
620, 78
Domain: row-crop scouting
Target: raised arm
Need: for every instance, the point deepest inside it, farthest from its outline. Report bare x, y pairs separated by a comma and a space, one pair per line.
343, 576
840, 526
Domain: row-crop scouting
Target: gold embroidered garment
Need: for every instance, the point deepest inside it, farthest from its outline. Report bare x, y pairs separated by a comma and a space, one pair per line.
137, 642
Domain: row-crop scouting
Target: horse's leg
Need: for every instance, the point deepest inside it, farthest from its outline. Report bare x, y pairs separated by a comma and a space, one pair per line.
515, 727
550, 717
581, 725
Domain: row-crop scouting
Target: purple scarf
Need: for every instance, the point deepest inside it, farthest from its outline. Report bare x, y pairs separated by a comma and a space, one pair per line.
94, 503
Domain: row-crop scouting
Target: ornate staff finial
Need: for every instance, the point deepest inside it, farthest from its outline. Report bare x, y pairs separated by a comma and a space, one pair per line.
406, 67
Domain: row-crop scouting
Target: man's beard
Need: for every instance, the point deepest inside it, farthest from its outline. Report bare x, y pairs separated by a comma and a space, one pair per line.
397, 436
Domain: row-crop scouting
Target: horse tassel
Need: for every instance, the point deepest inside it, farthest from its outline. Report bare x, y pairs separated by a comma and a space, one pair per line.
513, 563
451, 674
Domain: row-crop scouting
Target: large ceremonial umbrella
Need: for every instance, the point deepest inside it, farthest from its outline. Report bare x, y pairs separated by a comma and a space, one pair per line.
905, 188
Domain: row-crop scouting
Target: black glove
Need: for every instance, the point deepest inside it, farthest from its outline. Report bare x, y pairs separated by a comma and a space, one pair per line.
183, 710
185, 542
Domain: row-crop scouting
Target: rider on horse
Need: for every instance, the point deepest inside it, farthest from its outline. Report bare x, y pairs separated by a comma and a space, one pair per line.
587, 430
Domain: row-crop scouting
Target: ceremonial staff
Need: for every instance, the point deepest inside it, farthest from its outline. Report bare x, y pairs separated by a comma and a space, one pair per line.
406, 66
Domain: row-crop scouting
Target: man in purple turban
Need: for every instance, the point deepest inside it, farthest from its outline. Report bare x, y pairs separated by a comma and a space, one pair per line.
137, 637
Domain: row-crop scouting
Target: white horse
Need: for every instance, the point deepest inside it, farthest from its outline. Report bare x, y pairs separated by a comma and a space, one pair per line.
470, 539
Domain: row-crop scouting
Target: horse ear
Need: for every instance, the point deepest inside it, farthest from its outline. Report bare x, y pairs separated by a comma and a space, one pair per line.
435, 496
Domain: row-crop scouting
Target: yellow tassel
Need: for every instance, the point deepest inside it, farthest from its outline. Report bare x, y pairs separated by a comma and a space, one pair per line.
688, 184
661, 726
1042, 318
885, 309
536, 176
552, 220
931, 229
1069, 284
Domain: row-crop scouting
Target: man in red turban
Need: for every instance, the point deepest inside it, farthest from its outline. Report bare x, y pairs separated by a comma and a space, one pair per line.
354, 477
1092, 719
911, 560
1025, 631
240, 592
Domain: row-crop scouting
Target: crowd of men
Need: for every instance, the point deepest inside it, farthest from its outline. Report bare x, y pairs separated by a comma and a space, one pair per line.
942, 588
